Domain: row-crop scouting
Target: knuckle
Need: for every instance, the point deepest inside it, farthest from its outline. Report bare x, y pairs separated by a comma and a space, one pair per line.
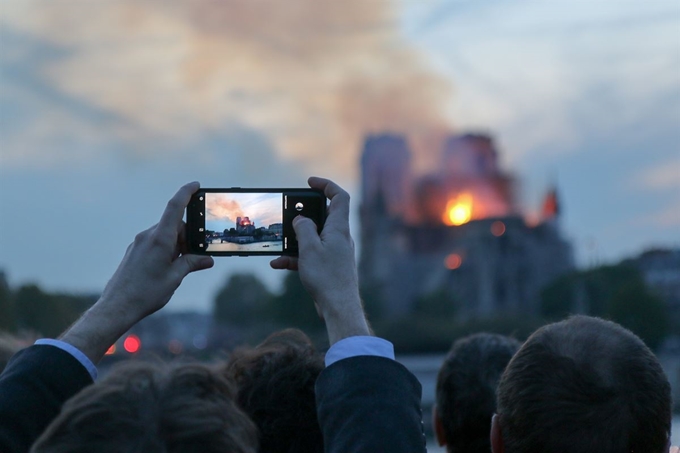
141, 236
157, 239
343, 195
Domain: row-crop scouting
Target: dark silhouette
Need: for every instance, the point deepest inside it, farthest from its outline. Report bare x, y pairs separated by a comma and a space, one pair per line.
466, 391
583, 385
275, 387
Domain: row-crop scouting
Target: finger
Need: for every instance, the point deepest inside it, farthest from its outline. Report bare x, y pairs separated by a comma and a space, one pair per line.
182, 238
174, 211
306, 233
284, 262
186, 264
338, 210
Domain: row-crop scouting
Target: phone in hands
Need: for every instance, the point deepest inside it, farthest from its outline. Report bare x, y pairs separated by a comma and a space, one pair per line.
245, 222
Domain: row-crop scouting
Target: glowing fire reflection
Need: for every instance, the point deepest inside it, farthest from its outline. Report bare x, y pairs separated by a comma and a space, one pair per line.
458, 210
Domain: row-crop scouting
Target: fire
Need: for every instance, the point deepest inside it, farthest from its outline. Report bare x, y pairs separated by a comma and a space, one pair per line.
458, 210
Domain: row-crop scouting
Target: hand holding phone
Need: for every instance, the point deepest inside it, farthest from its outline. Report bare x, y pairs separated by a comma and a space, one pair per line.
243, 222
327, 266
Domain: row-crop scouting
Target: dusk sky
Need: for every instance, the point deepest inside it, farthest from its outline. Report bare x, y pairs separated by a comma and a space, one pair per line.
107, 107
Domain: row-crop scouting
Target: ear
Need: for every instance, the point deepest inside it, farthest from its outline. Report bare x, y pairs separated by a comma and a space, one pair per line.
497, 445
438, 427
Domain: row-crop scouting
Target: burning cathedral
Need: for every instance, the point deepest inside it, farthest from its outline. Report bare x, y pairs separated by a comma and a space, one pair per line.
456, 232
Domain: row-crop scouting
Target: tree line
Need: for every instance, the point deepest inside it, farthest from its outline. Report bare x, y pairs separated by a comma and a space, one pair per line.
247, 307
33, 310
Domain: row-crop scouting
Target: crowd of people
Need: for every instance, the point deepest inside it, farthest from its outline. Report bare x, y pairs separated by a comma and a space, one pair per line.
581, 385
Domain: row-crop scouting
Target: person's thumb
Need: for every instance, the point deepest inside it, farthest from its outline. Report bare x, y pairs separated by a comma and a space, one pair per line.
305, 231
186, 264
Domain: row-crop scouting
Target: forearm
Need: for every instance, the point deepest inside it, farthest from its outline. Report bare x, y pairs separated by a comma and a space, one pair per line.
99, 327
346, 319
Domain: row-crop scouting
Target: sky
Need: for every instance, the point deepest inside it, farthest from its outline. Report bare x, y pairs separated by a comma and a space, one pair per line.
107, 107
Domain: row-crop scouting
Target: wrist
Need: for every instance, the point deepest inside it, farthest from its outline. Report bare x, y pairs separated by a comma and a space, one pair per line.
344, 317
98, 328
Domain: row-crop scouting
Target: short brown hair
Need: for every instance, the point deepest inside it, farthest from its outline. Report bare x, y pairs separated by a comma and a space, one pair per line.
275, 383
152, 407
584, 385
466, 389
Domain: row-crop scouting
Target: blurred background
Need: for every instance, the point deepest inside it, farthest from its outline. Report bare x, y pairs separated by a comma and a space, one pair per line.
510, 162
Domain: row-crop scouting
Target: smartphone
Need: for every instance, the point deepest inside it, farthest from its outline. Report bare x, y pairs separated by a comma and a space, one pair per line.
244, 222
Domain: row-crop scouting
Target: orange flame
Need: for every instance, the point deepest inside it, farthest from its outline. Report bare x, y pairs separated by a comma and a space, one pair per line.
458, 210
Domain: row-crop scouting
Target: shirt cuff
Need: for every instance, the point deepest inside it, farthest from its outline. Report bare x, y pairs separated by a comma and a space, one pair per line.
359, 345
75, 352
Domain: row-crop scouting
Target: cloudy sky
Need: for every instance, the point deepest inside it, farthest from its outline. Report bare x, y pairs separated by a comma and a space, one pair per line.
107, 107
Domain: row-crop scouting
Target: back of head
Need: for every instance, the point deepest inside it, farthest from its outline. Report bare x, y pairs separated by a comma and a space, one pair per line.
152, 408
466, 389
584, 385
275, 384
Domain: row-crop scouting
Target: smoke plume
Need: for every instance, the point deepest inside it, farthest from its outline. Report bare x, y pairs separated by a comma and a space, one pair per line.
313, 75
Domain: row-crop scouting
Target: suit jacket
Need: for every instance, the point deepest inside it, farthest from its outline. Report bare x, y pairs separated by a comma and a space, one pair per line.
369, 404
33, 387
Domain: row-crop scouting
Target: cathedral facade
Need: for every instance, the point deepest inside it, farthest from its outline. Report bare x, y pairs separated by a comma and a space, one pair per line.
456, 232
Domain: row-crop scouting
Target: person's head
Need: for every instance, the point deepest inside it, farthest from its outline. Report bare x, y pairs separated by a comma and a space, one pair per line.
466, 391
275, 387
152, 408
583, 385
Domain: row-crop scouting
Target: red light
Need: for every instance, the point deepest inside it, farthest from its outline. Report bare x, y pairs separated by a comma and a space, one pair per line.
111, 350
132, 344
498, 228
453, 261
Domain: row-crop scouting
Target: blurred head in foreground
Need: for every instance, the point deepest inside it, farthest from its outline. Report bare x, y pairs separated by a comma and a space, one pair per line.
583, 385
152, 408
275, 387
466, 391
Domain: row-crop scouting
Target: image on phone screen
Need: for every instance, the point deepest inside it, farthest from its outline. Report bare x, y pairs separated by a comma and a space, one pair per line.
243, 222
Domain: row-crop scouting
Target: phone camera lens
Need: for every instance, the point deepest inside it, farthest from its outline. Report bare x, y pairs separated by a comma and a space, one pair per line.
299, 206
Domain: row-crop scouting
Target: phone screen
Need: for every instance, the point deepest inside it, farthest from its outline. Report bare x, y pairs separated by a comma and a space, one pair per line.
250, 221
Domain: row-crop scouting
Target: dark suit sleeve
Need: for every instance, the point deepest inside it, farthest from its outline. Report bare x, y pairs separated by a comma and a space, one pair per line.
33, 387
369, 404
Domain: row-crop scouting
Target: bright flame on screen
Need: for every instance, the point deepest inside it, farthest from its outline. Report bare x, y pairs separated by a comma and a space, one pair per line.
458, 210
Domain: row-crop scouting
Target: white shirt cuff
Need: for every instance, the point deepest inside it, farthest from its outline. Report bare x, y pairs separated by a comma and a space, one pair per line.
75, 352
359, 345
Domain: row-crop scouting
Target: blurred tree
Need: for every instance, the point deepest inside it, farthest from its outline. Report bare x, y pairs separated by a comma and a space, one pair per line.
636, 308
558, 299
427, 334
438, 304
48, 314
7, 315
615, 292
370, 295
241, 301
294, 307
